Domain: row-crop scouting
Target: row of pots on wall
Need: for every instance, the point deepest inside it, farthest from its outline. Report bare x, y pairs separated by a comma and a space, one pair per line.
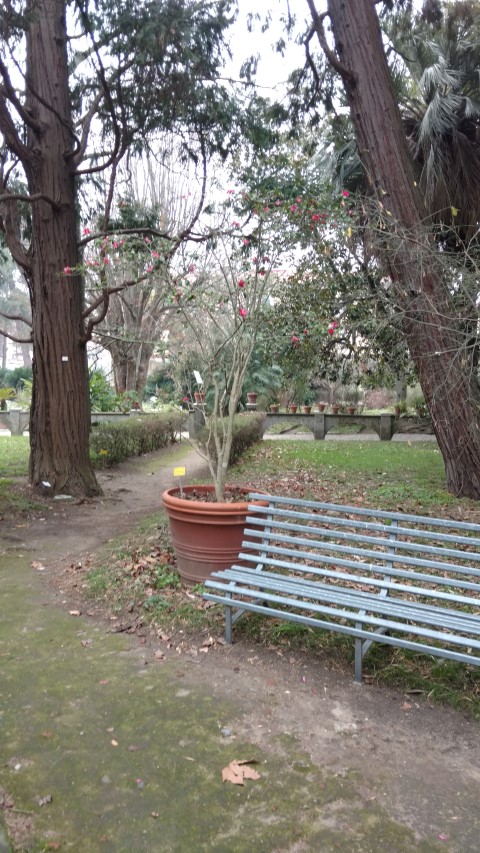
274, 408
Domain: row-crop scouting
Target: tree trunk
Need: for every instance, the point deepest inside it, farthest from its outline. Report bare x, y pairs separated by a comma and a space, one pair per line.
60, 416
130, 365
431, 325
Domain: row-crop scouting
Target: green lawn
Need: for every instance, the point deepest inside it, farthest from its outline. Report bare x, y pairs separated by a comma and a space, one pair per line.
14, 451
406, 476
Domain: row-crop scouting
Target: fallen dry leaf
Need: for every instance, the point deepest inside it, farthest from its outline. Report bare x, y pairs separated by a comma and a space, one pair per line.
114, 742
237, 771
406, 706
74, 612
38, 566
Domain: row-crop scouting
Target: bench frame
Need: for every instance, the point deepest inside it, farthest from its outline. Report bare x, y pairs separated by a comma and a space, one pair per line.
374, 571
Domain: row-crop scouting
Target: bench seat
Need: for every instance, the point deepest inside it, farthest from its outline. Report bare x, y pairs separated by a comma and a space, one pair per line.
404, 580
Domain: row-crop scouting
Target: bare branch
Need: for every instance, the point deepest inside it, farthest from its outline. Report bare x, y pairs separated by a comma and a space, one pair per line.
8, 91
29, 198
15, 339
333, 59
7, 227
16, 317
9, 131
87, 123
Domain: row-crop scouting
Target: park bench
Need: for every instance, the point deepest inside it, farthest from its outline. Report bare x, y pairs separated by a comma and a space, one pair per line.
405, 580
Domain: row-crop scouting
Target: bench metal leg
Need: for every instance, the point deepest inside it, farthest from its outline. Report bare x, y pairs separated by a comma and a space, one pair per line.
358, 658
228, 625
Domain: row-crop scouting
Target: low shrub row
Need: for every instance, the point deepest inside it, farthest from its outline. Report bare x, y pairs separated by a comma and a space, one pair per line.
248, 428
111, 443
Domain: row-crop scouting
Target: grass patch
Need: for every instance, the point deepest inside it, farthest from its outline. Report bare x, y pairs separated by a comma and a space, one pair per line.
14, 502
387, 475
135, 578
14, 453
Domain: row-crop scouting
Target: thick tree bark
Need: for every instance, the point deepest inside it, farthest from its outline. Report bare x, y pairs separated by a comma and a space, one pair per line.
60, 417
433, 330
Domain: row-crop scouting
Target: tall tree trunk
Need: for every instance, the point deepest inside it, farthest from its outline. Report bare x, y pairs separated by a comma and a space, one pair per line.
60, 416
432, 328
130, 363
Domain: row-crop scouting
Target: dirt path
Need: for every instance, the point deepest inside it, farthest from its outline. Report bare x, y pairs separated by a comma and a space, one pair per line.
131, 749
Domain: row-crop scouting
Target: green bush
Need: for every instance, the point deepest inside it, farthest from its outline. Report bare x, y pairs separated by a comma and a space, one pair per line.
248, 428
111, 443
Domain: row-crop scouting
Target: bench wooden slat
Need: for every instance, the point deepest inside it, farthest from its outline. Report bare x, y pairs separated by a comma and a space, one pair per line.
246, 584
367, 636
393, 545
368, 568
360, 572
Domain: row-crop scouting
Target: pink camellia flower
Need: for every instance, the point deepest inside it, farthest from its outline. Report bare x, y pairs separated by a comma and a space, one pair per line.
86, 231
295, 340
149, 268
243, 313
67, 270
106, 262
115, 245
333, 325
230, 192
155, 255
241, 283
246, 242
293, 207
192, 268
235, 224
147, 240
299, 199
345, 193
315, 217
278, 203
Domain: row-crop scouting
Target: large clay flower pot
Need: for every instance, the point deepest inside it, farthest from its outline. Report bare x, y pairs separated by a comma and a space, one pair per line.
206, 535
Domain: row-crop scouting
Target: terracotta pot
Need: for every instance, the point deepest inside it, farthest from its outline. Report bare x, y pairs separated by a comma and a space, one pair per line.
274, 408
307, 410
351, 410
206, 535
252, 396
199, 397
335, 410
321, 407
292, 409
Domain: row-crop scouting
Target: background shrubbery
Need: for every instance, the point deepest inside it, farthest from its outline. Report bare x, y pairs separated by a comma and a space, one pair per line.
111, 443
248, 428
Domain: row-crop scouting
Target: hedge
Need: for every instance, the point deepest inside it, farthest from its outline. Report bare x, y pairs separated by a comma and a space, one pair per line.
248, 428
113, 442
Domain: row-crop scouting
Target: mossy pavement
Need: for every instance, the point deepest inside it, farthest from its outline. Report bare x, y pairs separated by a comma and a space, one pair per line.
103, 748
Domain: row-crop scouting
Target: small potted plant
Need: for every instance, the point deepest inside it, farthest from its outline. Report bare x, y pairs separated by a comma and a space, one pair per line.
292, 408
274, 408
321, 406
307, 409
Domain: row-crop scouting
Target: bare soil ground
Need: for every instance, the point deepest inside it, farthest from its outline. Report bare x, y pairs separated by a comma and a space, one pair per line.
416, 764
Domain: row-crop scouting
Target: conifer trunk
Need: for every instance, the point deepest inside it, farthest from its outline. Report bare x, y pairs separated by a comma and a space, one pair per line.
433, 331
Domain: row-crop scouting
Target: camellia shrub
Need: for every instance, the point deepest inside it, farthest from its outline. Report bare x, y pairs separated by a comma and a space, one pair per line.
111, 443
248, 428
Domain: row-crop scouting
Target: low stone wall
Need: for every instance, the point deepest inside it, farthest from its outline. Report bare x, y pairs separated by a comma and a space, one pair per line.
385, 425
17, 420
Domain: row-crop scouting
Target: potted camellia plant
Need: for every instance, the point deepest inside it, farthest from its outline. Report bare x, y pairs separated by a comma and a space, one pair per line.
221, 325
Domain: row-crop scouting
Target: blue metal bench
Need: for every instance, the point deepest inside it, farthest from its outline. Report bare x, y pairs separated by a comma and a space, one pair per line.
405, 580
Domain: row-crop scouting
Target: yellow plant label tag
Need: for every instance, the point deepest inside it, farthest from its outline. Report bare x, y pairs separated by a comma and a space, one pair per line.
179, 472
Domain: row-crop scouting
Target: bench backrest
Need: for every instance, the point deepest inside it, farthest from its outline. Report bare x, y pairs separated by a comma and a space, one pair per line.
376, 550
